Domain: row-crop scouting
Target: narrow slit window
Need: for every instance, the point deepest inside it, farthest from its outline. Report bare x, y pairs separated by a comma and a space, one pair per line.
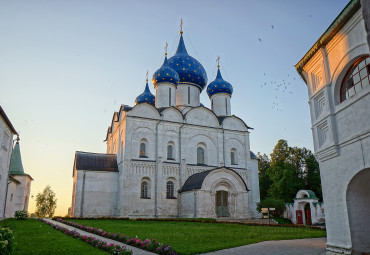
226, 105
188, 95
169, 96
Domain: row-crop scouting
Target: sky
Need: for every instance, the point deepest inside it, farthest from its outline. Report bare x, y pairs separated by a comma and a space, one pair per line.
66, 66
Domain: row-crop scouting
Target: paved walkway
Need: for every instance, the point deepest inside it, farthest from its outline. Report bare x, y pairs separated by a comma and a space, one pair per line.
135, 251
312, 246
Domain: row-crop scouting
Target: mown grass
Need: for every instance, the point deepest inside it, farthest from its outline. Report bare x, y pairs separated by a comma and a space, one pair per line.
192, 237
34, 237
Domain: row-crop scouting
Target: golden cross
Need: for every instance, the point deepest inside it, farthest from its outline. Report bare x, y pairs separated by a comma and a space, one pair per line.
165, 49
147, 75
218, 61
181, 27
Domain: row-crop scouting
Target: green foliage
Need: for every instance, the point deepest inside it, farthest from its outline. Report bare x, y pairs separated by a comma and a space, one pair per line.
21, 215
46, 203
272, 203
6, 241
283, 221
195, 237
33, 237
289, 170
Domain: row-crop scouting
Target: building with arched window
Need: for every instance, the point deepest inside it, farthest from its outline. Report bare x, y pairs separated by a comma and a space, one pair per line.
336, 71
169, 156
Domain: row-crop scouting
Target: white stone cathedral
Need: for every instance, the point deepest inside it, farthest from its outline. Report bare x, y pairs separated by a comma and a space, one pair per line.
169, 156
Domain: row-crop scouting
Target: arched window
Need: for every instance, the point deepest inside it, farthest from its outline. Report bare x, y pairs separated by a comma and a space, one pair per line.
200, 156
170, 152
144, 191
234, 157
170, 190
143, 150
356, 78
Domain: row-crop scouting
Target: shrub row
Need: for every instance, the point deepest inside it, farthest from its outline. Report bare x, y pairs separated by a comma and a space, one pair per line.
21, 215
148, 244
6, 241
111, 248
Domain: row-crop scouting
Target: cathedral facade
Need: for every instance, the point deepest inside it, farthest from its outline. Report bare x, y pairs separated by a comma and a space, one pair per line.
169, 156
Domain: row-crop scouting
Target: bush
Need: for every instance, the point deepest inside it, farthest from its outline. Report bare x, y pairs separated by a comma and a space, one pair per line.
272, 203
21, 215
6, 241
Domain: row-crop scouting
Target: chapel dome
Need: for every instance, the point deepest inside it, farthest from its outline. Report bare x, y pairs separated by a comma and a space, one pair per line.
219, 86
189, 69
146, 96
165, 74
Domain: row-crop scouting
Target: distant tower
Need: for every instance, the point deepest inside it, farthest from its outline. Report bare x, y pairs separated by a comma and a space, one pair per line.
165, 81
220, 91
193, 77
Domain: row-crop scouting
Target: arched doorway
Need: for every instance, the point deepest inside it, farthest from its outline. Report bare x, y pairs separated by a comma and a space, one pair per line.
307, 214
358, 206
222, 209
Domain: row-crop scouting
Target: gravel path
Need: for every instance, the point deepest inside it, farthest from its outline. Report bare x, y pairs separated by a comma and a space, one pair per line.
135, 251
312, 246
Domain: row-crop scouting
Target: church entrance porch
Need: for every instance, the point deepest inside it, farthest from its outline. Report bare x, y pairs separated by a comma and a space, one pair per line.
216, 193
221, 204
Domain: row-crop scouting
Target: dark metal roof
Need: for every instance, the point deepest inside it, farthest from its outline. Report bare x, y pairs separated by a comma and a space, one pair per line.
253, 156
95, 161
195, 181
7, 121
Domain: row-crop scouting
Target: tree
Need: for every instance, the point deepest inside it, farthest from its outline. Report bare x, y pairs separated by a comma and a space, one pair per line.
264, 178
289, 170
46, 203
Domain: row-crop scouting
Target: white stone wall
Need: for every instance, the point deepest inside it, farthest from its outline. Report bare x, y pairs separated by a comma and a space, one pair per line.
18, 195
183, 97
221, 104
341, 131
96, 193
6, 145
165, 95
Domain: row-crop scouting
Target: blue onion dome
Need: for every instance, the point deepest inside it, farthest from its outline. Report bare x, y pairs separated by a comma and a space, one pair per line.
189, 69
146, 96
165, 74
219, 86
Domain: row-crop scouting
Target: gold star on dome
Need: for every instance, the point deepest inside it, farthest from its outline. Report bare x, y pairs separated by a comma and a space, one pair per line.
224, 85
189, 65
159, 74
195, 70
177, 64
168, 74
183, 69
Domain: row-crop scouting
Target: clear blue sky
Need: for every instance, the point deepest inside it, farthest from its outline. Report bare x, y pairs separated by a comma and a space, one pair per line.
66, 66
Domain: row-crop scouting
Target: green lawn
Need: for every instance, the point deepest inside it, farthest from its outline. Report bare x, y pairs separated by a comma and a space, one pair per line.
35, 237
192, 237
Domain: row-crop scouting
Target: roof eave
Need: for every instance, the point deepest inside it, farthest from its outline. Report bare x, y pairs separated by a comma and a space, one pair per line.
334, 27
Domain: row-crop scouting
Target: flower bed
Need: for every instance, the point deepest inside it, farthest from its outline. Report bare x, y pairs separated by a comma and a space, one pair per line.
111, 248
148, 244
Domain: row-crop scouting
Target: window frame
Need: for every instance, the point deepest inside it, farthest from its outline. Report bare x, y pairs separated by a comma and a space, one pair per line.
344, 93
143, 150
144, 189
170, 189
170, 155
200, 148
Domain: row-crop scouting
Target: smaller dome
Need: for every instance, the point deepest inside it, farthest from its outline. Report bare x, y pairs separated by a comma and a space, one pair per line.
219, 86
146, 96
165, 74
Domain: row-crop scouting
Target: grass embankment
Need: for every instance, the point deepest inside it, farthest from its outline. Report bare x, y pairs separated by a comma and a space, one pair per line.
35, 237
193, 237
